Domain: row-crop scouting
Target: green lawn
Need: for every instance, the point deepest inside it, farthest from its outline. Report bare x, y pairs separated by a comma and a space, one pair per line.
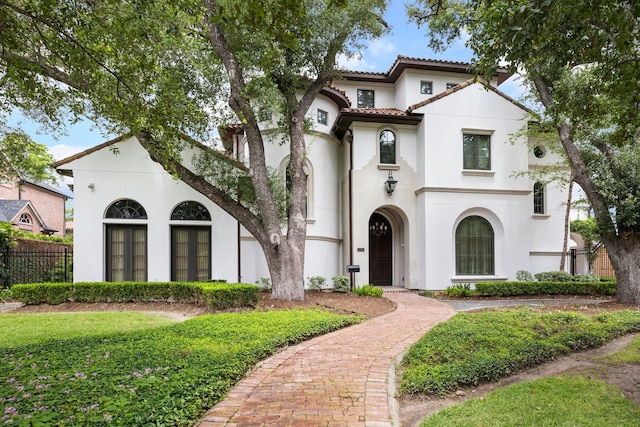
161, 376
555, 401
22, 329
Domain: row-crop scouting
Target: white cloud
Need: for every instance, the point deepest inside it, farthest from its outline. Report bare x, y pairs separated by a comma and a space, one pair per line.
380, 47
354, 63
62, 151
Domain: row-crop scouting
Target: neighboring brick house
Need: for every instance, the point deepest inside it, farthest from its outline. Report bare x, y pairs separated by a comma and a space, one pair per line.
44, 212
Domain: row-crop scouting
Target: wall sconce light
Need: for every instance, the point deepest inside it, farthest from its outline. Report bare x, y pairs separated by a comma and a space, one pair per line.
390, 184
90, 186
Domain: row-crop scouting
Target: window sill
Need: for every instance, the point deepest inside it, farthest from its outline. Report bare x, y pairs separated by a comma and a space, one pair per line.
540, 216
478, 172
478, 278
388, 167
311, 221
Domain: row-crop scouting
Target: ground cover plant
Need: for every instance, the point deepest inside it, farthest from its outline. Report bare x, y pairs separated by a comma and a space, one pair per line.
159, 376
22, 329
475, 347
574, 400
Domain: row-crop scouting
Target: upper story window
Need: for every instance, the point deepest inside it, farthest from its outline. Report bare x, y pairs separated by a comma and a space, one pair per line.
476, 151
25, 218
264, 115
323, 117
426, 88
387, 147
539, 151
451, 85
190, 211
538, 198
126, 209
366, 98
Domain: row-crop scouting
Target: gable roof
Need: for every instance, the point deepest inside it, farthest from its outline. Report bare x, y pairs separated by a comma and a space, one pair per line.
462, 86
405, 62
10, 209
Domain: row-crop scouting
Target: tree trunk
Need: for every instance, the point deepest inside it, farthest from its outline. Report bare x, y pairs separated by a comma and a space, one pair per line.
286, 267
567, 214
624, 253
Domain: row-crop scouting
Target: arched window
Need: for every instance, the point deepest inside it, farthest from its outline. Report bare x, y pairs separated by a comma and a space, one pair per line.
25, 218
538, 198
126, 243
387, 147
192, 211
190, 244
126, 209
474, 247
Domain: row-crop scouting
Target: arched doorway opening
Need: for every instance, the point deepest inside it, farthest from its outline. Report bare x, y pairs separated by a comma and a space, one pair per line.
380, 250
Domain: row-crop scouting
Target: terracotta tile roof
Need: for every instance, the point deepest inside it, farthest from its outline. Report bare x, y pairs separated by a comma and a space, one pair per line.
403, 62
375, 111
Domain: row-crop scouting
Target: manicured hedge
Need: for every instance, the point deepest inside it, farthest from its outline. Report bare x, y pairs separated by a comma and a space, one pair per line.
505, 289
214, 295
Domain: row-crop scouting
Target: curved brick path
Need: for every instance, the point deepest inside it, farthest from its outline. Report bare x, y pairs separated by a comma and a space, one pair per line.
338, 379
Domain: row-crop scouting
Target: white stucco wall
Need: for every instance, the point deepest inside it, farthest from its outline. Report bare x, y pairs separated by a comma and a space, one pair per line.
133, 175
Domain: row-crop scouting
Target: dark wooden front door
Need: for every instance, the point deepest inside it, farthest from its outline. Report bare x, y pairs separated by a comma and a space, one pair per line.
380, 251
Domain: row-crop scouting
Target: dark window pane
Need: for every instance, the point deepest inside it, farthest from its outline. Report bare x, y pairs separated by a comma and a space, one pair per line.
190, 211
126, 209
365, 98
538, 198
387, 147
126, 253
476, 152
474, 247
190, 253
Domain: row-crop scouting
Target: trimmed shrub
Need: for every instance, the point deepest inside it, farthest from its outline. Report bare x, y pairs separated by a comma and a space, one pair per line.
554, 276
316, 283
214, 295
461, 290
341, 283
505, 289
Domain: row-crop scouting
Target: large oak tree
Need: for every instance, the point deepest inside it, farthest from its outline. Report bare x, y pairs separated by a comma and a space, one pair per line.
163, 69
582, 59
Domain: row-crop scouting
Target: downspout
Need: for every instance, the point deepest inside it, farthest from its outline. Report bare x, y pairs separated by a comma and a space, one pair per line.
239, 256
349, 139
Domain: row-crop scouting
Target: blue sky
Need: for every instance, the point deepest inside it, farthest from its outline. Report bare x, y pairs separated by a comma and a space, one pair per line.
405, 39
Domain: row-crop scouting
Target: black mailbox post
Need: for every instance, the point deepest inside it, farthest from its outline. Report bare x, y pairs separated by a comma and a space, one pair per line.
352, 270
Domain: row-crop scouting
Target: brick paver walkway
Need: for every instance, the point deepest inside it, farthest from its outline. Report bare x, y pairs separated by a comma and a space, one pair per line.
338, 379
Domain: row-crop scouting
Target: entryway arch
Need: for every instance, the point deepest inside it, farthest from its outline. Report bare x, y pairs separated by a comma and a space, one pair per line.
387, 247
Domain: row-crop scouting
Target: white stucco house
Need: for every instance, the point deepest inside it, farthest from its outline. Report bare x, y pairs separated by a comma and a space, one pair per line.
457, 213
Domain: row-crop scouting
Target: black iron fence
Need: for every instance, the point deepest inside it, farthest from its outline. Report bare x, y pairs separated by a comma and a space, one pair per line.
36, 266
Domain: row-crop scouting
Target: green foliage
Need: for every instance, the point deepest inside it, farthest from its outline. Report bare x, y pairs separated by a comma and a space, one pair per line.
21, 157
471, 348
213, 295
459, 290
6, 294
7, 241
587, 228
316, 283
524, 276
264, 284
368, 290
629, 355
554, 276
575, 400
587, 287
341, 284
167, 376
43, 237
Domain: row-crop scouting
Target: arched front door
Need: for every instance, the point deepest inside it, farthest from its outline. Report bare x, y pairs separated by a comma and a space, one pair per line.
380, 251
